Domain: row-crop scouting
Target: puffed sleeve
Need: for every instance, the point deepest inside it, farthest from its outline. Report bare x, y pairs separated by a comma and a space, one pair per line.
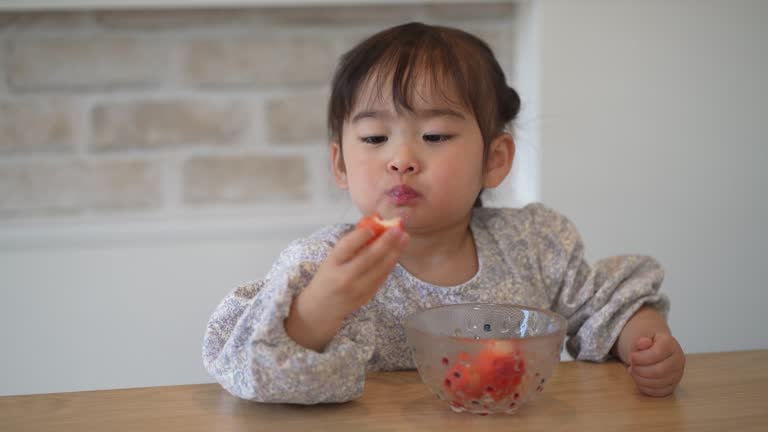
247, 350
596, 300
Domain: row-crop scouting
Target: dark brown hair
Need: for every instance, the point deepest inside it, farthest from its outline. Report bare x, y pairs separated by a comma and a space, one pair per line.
450, 62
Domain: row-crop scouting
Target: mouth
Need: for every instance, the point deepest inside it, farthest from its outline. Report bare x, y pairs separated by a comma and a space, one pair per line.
403, 194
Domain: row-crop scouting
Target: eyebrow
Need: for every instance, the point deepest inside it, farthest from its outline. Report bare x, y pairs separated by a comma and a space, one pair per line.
428, 113
369, 114
439, 112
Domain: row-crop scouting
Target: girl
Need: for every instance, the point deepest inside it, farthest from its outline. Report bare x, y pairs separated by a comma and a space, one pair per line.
418, 121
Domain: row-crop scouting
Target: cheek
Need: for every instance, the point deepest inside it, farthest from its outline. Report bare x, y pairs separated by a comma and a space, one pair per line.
459, 174
362, 173
361, 168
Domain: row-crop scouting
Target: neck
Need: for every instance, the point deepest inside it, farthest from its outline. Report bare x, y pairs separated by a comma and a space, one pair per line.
432, 247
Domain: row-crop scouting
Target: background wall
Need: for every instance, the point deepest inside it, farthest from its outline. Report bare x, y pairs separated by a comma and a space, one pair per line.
653, 137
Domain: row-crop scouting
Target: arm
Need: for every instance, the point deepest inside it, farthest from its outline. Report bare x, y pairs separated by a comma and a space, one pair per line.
248, 351
596, 300
613, 307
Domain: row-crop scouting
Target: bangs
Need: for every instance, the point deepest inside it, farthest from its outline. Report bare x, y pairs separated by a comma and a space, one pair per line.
428, 71
435, 64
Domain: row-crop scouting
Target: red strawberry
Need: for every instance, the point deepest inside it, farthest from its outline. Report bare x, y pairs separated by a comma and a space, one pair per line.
501, 372
463, 382
379, 225
495, 371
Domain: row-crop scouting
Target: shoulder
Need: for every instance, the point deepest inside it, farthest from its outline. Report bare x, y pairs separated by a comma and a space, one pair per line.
534, 222
532, 217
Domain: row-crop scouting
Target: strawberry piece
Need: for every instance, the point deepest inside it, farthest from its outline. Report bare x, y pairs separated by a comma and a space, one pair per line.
464, 383
501, 372
496, 372
379, 225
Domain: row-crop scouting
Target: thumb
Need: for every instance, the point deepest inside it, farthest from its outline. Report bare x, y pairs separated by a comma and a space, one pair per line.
642, 343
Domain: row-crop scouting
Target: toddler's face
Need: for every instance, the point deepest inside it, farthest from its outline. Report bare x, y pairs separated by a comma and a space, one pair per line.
425, 166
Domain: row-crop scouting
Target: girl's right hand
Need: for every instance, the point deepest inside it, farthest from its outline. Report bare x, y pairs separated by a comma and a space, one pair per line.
348, 279
353, 272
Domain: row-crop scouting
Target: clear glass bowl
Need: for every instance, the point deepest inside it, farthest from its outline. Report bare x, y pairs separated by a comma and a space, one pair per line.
485, 358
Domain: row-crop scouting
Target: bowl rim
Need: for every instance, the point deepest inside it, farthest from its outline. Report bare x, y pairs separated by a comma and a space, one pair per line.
407, 321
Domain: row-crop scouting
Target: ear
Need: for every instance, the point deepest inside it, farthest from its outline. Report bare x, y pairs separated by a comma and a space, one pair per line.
501, 154
338, 166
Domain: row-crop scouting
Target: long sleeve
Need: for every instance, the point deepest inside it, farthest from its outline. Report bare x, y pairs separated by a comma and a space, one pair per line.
247, 350
596, 300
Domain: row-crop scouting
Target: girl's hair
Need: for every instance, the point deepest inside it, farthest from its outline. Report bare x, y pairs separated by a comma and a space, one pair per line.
451, 63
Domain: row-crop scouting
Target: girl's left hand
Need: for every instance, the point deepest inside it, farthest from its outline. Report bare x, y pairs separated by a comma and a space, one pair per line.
656, 364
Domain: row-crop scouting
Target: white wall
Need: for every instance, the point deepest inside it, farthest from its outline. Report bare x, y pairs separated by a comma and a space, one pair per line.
125, 304
653, 126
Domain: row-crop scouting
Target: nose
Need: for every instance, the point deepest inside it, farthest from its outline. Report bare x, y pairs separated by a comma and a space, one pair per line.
403, 162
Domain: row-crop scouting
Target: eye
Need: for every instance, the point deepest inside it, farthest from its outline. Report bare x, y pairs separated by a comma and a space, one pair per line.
375, 139
435, 138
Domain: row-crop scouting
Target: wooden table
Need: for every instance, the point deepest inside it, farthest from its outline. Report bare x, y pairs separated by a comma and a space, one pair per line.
720, 391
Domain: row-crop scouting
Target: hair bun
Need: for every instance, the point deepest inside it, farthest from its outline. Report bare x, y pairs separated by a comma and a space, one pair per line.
511, 105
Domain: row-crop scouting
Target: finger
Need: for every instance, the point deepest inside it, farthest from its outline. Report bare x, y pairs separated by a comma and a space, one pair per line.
649, 357
374, 277
642, 343
350, 244
656, 383
373, 256
657, 353
670, 366
373, 281
660, 392
390, 258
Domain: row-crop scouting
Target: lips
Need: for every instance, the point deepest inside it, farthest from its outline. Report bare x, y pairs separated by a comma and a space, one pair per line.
403, 194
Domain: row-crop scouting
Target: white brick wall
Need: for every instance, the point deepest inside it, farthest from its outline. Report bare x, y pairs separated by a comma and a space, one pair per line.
54, 120
180, 112
147, 125
83, 62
